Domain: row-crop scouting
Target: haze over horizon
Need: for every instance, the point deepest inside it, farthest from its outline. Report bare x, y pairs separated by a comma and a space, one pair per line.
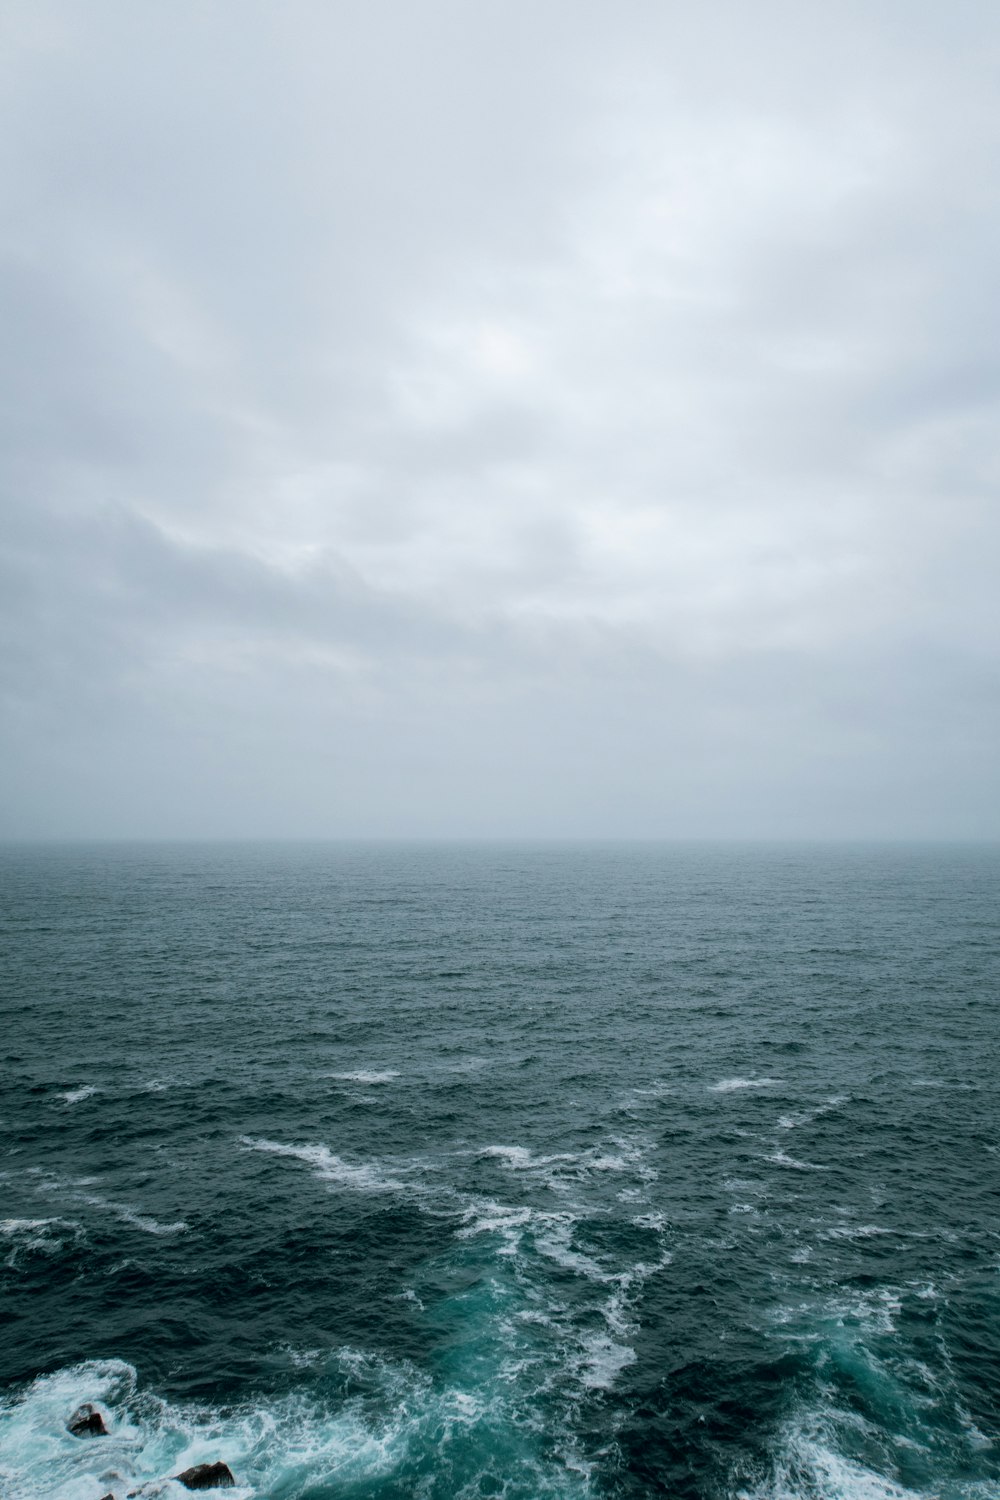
492, 420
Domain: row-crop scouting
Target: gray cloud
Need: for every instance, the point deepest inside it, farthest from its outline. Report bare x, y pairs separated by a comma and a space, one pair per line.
445, 419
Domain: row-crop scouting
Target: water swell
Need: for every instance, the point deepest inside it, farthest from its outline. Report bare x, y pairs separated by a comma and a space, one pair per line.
470, 1173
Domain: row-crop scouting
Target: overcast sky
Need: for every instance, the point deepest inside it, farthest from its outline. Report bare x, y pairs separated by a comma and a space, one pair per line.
527, 418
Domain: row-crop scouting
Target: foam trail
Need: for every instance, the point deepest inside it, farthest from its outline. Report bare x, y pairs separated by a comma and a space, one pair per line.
328, 1166
126, 1214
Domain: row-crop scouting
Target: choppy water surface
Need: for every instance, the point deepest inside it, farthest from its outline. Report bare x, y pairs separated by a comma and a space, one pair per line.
469, 1171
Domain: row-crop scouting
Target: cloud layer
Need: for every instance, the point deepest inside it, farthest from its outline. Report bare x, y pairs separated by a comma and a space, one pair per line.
499, 419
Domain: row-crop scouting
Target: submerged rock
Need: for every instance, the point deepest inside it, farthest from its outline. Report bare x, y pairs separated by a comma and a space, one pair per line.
87, 1421
207, 1477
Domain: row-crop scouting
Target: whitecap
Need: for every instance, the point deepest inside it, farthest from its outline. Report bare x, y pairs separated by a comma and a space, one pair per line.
559, 1170
75, 1096
516, 1158
145, 1222
37, 1236
603, 1361
22, 1226
855, 1232
731, 1085
484, 1216
782, 1159
521, 1159
134, 1217
806, 1116
555, 1244
364, 1177
366, 1075
807, 1462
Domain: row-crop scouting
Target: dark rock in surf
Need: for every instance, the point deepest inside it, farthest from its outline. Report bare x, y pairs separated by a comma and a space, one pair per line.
207, 1477
87, 1421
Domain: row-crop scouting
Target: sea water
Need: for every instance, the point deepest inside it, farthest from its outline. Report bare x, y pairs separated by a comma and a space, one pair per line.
458, 1171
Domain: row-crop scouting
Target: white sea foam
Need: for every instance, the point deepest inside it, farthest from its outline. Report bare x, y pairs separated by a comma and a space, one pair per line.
559, 1170
484, 1216
603, 1361
27, 1237
126, 1213
364, 1177
830, 1451
588, 1357
807, 1463
520, 1159
859, 1313
366, 1075
76, 1096
145, 1222
655, 1090
855, 1232
782, 1159
289, 1446
556, 1245
731, 1085
806, 1116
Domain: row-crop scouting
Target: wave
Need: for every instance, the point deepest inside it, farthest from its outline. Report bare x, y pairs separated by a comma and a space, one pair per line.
732, 1085
419, 1178
27, 1237
400, 1428
126, 1213
782, 1159
806, 1116
521, 1253
76, 1096
520, 1159
366, 1075
88, 1090
855, 1232
560, 1169
329, 1167
872, 1421
808, 1466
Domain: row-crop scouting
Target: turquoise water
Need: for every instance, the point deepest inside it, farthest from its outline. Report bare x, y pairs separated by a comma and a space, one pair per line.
522, 1171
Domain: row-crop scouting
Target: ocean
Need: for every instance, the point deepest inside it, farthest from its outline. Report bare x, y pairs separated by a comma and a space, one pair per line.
501, 1170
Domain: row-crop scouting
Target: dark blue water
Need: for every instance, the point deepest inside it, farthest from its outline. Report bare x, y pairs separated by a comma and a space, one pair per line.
520, 1171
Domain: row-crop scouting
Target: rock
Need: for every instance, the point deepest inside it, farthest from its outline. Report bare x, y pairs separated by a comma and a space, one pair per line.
87, 1421
207, 1477
108, 1496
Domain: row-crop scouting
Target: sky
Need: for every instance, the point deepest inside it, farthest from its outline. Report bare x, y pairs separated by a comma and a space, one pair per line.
543, 418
